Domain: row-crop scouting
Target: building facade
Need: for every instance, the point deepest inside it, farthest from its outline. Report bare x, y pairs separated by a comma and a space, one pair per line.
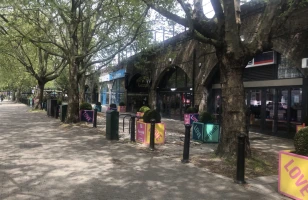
181, 72
112, 87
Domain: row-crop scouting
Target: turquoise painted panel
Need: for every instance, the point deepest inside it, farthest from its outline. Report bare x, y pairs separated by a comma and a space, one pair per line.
211, 133
197, 131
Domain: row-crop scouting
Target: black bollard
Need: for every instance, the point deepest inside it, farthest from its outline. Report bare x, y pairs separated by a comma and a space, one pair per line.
132, 130
186, 144
240, 169
95, 118
152, 134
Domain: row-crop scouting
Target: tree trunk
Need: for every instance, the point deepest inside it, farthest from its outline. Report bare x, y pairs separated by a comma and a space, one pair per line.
40, 95
82, 84
18, 95
233, 120
73, 94
13, 96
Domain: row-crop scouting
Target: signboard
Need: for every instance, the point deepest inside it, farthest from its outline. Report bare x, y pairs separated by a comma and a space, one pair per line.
293, 175
118, 74
104, 78
265, 58
197, 131
141, 128
211, 133
190, 118
159, 133
86, 115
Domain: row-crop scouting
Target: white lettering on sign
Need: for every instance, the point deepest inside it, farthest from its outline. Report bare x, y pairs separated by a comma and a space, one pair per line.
197, 131
157, 135
86, 115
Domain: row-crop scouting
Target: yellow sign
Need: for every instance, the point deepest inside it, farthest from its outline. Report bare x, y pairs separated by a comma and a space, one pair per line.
299, 127
159, 133
293, 175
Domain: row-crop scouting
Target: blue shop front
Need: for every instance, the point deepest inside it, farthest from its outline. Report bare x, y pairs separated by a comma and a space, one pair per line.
113, 87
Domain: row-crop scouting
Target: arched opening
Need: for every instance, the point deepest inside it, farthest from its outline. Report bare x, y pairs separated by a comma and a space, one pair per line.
137, 92
174, 93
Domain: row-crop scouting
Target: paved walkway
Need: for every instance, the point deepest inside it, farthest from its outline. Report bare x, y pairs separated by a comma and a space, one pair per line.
40, 158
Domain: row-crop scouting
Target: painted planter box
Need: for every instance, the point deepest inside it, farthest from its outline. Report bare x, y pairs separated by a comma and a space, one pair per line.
293, 175
208, 133
86, 115
190, 118
121, 108
143, 132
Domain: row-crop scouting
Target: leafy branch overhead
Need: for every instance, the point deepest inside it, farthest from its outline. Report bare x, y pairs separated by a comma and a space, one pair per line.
99, 26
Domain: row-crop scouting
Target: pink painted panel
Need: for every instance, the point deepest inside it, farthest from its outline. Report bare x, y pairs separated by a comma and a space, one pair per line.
141, 132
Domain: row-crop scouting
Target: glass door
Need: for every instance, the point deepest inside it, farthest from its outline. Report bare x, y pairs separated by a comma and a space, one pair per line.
295, 109
255, 108
270, 112
282, 118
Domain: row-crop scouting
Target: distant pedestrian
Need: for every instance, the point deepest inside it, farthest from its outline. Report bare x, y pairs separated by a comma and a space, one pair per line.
2, 97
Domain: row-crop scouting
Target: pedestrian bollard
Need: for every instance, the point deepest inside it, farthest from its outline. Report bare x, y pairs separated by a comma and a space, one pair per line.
95, 118
240, 169
132, 130
186, 144
152, 134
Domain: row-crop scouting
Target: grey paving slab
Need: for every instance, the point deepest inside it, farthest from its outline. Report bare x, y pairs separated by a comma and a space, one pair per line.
40, 158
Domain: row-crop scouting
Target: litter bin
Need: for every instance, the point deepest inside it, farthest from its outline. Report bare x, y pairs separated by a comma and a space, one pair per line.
63, 110
112, 125
51, 103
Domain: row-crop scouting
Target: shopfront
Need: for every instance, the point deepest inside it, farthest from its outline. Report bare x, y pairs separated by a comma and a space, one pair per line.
113, 88
276, 105
118, 86
104, 92
174, 93
138, 92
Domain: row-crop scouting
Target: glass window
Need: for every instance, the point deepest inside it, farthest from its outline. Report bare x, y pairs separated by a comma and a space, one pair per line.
296, 104
181, 79
172, 80
287, 69
255, 108
270, 109
175, 78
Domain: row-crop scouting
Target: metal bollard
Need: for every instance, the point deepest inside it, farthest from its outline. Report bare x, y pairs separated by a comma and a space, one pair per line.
186, 144
240, 169
132, 130
152, 134
95, 118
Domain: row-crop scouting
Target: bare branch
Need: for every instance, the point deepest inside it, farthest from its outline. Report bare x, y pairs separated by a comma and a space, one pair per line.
167, 14
201, 38
218, 11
